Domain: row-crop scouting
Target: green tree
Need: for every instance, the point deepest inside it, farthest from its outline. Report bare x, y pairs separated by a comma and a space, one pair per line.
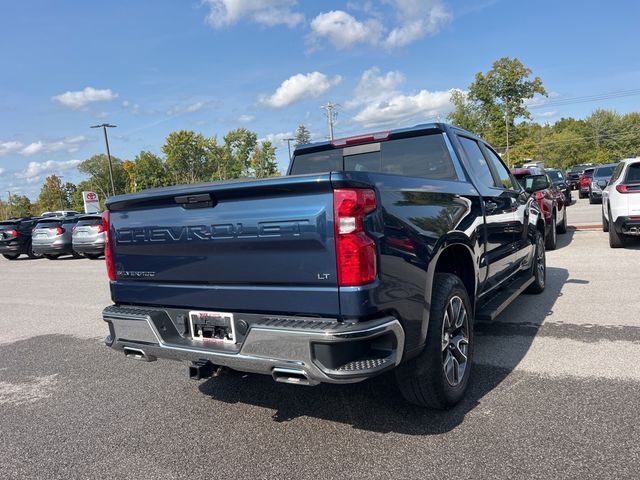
19, 206
467, 114
240, 145
501, 94
52, 196
263, 162
97, 168
303, 135
149, 171
186, 157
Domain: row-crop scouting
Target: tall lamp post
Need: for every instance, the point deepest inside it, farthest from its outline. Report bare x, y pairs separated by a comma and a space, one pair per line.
104, 127
288, 140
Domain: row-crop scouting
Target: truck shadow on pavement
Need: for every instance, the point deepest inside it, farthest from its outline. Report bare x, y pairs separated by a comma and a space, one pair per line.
377, 405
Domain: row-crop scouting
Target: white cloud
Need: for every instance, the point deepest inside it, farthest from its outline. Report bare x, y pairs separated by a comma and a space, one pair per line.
546, 114
402, 108
2, 170
343, 31
32, 148
416, 19
277, 138
298, 87
224, 13
190, 108
246, 118
373, 86
401, 23
82, 98
35, 169
10, 147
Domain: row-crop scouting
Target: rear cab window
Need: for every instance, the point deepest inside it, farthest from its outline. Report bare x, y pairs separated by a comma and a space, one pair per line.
425, 156
84, 222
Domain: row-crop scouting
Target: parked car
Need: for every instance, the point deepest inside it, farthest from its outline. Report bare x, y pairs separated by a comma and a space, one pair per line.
89, 236
573, 175
601, 176
51, 237
15, 237
621, 202
59, 213
560, 183
584, 181
551, 201
324, 275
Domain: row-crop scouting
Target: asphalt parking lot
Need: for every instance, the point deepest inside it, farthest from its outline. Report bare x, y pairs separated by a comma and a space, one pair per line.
555, 391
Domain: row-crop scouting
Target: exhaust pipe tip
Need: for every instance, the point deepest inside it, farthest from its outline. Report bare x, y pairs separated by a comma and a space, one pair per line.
293, 376
138, 354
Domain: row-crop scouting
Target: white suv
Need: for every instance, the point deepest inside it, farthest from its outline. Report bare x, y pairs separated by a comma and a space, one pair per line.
621, 203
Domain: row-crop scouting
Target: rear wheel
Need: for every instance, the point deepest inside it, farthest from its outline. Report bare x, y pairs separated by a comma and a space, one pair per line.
562, 228
615, 239
539, 267
591, 200
439, 376
31, 253
552, 238
76, 254
11, 256
605, 222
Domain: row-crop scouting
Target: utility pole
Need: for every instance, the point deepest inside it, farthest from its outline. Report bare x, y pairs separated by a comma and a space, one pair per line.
288, 140
330, 112
9, 205
104, 127
60, 192
506, 124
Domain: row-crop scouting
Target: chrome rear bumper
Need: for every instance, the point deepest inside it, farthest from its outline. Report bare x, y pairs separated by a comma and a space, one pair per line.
319, 350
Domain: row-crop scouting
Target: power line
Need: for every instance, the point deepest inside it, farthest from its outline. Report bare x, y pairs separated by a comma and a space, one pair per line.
587, 98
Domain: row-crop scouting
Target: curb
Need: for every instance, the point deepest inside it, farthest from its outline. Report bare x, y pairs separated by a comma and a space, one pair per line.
586, 227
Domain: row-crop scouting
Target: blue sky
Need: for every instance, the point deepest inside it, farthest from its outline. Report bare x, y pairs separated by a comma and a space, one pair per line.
268, 65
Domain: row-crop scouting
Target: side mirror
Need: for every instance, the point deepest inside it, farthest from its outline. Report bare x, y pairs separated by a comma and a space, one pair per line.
602, 183
535, 183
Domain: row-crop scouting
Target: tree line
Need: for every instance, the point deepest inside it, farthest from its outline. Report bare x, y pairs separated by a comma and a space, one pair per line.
496, 106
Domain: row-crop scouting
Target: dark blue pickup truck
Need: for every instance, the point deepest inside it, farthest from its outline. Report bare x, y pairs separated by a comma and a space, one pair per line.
375, 252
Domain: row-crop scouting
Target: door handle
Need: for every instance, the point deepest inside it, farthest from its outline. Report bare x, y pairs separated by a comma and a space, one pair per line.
490, 206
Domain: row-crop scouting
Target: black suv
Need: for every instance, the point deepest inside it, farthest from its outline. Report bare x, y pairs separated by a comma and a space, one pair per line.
15, 237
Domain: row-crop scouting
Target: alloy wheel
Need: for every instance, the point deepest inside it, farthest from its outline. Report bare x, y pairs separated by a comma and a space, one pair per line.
455, 341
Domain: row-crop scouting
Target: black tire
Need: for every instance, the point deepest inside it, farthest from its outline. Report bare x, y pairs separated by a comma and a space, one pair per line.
93, 256
31, 254
615, 239
75, 254
581, 195
591, 200
562, 228
423, 380
605, 222
551, 240
51, 256
11, 256
539, 267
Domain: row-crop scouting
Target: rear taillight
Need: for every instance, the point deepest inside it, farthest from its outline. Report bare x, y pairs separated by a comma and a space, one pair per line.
101, 228
355, 251
57, 230
622, 188
108, 255
12, 232
539, 195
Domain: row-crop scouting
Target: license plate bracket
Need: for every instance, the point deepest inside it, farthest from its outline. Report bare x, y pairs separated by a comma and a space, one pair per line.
212, 327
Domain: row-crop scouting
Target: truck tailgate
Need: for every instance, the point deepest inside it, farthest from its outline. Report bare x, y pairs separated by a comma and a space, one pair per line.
262, 245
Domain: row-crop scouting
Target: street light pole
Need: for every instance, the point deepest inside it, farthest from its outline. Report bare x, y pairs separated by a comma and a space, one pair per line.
288, 140
104, 127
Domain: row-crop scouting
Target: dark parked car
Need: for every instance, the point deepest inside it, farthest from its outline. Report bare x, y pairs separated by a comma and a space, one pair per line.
89, 236
599, 181
377, 252
584, 182
52, 237
560, 183
15, 237
573, 176
551, 201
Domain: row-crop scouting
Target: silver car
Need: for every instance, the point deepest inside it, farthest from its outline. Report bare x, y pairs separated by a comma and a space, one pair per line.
52, 237
89, 236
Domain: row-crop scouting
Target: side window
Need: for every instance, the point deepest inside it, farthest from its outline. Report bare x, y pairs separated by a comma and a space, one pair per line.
477, 161
617, 172
506, 181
